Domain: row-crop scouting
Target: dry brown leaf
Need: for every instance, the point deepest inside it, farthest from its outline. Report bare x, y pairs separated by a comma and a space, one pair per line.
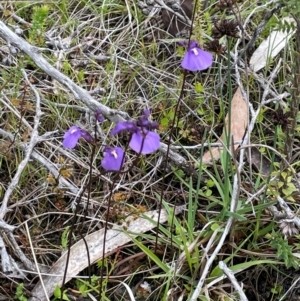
78, 260
239, 122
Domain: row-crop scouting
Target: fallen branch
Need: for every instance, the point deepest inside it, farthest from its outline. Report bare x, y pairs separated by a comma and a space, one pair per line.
79, 93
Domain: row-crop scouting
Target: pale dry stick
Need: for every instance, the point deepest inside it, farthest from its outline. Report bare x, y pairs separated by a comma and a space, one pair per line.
291, 216
44, 161
209, 245
15, 17
18, 252
233, 280
289, 223
5, 262
178, 15
272, 76
201, 145
238, 80
129, 291
290, 288
6, 227
34, 139
211, 260
285, 207
41, 62
233, 206
256, 194
260, 28
78, 92
258, 7
77, 199
150, 182
35, 261
279, 99
262, 83
18, 273
92, 297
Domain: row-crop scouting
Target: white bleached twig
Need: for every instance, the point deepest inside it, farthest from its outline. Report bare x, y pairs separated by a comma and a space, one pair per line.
5, 262
30, 146
233, 280
44, 161
79, 93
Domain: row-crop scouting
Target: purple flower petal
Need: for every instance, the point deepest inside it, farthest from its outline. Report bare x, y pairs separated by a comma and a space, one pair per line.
193, 44
145, 123
145, 143
146, 113
99, 116
196, 59
86, 135
124, 126
72, 136
113, 159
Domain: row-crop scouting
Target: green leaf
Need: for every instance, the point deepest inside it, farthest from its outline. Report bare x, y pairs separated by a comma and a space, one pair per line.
83, 288
217, 272
203, 298
64, 238
57, 294
239, 217
284, 252
215, 227
210, 183
208, 192
152, 256
164, 122
198, 87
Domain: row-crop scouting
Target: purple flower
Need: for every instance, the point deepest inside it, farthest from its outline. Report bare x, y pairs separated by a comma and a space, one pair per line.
143, 140
144, 143
124, 126
72, 136
113, 158
196, 59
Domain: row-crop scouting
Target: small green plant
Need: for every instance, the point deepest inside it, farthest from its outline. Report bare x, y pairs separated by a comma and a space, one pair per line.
276, 289
59, 295
284, 251
64, 238
282, 186
85, 286
39, 18
20, 292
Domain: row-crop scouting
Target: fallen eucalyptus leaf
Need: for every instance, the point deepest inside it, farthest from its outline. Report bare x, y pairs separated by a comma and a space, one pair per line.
238, 125
78, 260
270, 47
